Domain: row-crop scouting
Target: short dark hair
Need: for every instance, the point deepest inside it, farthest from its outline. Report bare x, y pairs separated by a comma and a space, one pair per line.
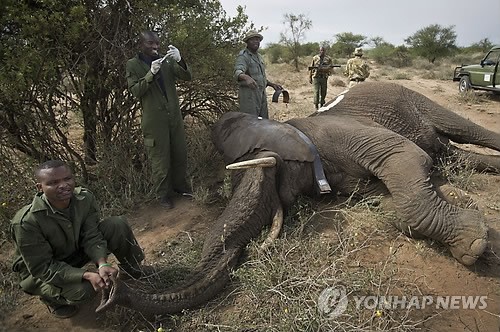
48, 165
147, 33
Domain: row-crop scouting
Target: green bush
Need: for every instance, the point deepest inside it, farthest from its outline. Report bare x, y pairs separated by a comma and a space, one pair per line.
467, 58
275, 52
387, 54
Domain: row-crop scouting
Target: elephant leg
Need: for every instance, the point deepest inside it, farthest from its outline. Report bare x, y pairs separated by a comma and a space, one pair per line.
353, 185
407, 230
447, 192
404, 168
479, 162
387, 204
455, 127
464, 231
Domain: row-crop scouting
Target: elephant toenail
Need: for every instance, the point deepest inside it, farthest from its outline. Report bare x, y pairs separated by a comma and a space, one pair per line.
478, 246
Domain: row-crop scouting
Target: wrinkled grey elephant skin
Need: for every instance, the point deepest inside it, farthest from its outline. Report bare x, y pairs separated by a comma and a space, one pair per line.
381, 135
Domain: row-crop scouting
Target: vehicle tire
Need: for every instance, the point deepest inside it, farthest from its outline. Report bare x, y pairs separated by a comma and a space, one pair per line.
464, 84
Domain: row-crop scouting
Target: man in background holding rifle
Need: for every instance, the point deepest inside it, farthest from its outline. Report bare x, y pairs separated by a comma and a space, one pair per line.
321, 67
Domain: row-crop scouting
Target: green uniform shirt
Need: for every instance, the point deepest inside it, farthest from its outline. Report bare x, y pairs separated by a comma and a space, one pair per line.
48, 243
252, 101
159, 110
318, 62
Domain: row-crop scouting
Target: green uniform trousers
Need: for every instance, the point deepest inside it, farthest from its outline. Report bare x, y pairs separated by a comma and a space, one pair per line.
320, 85
120, 241
253, 101
168, 155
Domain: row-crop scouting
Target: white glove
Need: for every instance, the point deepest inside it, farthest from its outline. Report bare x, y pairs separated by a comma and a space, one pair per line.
174, 53
155, 66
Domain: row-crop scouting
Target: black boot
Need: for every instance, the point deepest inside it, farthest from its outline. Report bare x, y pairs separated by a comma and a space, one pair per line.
166, 202
60, 310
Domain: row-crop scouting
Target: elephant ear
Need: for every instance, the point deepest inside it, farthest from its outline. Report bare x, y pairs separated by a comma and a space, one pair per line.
237, 134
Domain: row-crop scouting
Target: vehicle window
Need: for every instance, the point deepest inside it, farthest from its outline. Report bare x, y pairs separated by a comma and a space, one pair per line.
492, 58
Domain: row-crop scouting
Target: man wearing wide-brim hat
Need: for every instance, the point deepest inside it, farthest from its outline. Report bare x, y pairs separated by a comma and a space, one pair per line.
250, 72
251, 34
357, 69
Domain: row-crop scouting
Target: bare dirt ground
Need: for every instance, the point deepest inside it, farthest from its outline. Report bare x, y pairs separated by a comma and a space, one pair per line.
436, 273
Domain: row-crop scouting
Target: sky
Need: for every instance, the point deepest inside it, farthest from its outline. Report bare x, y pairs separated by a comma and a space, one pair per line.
393, 20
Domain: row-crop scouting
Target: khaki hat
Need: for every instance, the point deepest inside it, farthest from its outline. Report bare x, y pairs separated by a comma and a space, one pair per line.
358, 51
251, 34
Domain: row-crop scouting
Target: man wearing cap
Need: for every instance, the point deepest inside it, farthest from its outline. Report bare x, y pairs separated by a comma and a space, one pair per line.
250, 72
357, 70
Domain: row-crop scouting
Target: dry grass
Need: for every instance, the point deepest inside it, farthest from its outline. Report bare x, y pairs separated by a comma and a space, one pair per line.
278, 289
9, 293
458, 171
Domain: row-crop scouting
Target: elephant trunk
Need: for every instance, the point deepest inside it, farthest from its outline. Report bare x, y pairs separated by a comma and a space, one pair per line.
211, 277
252, 206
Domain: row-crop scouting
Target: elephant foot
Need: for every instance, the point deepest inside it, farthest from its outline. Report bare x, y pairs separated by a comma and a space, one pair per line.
470, 237
456, 196
467, 241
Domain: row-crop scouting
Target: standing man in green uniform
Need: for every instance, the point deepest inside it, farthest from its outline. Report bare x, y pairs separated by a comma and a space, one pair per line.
357, 69
320, 69
250, 72
151, 78
60, 232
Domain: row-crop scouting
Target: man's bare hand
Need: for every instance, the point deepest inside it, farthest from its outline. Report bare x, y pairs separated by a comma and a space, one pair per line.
108, 274
249, 81
102, 279
95, 280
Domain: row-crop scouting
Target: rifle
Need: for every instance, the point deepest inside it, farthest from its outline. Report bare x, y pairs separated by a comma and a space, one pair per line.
323, 67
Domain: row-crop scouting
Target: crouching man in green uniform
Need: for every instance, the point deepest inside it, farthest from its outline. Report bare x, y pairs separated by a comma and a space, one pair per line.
59, 233
250, 72
151, 78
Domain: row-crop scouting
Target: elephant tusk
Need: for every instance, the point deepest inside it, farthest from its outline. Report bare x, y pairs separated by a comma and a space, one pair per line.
275, 229
259, 162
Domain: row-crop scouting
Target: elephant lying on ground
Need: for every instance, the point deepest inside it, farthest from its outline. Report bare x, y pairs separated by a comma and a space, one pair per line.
381, 135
